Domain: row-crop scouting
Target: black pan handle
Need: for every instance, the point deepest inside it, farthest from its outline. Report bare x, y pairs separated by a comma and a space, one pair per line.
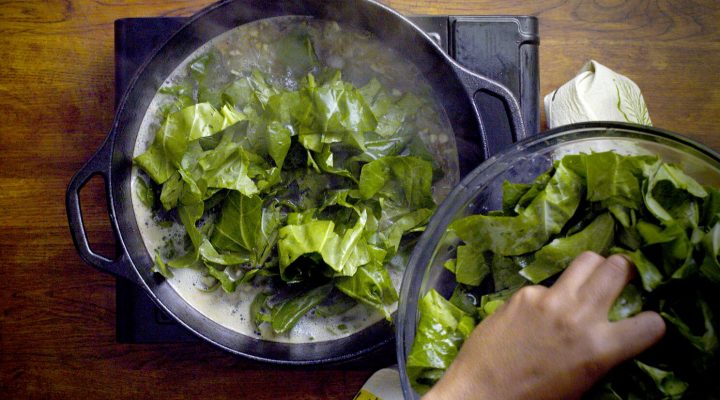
99, 164
498, 131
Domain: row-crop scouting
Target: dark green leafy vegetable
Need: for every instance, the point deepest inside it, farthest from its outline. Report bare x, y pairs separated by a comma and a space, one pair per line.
556, 255
371, 285
318, 182
666, 381
144, 192
652, 212
287, 314
545, 216
441, 330
470, 268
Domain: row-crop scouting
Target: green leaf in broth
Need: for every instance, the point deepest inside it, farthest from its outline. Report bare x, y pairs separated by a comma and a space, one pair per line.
171, 191
160, 267
210, 254
144, 193
239, 221
259, 311
406, 180
166, 151
371, 284
208, 70
189, 215
341, 109
229, 153
287, 314
395, 221
295, 51
342, 253
226, 282
279, 138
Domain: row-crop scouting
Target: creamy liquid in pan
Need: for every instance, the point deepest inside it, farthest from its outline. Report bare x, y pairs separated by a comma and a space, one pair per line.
232, 310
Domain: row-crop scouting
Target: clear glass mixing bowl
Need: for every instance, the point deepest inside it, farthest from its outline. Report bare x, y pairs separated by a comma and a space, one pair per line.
481, 191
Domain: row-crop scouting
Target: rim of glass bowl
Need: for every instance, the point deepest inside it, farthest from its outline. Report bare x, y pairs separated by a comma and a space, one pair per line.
415, 275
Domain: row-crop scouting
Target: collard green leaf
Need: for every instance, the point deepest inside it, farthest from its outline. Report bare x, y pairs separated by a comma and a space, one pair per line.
287, 314
171, 141
666, 381
437, 338
341, 109
470, 268
711, 243
489, 303
259, 311
394, 223
653, 234
295, 51
545, 216
506, 273
535, 189
649, 274
512, 193
464, 299
209, 254
189, 215
228, 167
279, 138
708, 341
226, 282
670, 192
160, 267
144, 193
612, 180
343, 254
239, 222
406, 180
711, 207
371, 284
557, 255
627, 304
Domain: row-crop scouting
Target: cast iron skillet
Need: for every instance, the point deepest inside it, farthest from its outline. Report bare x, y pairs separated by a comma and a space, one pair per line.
453, 85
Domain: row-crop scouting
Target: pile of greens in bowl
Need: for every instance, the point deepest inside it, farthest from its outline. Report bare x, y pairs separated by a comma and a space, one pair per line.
651, 211
308, 190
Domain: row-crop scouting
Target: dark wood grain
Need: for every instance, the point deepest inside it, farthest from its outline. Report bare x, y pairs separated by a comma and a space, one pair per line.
57, 327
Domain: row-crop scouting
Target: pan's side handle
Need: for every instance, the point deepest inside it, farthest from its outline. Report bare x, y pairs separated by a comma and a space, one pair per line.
99, 164
505, 129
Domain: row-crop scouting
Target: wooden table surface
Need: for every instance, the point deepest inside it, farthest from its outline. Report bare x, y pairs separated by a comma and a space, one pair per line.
57, 314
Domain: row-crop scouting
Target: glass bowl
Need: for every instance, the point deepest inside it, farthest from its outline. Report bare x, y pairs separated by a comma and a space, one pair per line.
481, 191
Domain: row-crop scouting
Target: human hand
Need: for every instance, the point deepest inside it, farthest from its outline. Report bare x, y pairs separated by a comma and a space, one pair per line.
551, 343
